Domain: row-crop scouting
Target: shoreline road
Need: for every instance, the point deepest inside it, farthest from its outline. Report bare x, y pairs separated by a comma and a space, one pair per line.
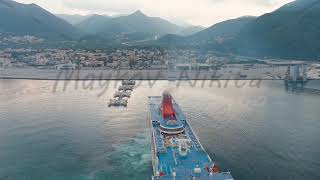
99, 74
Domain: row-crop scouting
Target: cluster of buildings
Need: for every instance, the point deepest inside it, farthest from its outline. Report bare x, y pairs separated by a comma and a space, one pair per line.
180, 59
19, 40
5, 59
136, 59
160, 60
180, 56
68, 58
103, 59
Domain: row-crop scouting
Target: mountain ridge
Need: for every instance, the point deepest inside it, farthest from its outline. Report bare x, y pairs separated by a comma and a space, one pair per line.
132, 23
292, 31
31, 19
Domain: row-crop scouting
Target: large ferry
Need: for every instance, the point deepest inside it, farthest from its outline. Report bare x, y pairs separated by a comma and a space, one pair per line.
176, 151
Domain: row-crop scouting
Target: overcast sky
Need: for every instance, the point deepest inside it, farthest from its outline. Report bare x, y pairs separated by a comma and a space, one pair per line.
196, 12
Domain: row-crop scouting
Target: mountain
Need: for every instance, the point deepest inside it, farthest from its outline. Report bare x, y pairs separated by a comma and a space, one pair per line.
292, 31
73, 19
136, 23
30, 19
170, 40
214, 34
99, 25
221, 31
190, 30
139, 22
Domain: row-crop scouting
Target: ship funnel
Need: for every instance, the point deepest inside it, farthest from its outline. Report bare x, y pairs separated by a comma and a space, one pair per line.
167, 106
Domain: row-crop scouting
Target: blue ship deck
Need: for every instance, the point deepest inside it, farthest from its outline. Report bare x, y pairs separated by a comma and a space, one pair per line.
167, 162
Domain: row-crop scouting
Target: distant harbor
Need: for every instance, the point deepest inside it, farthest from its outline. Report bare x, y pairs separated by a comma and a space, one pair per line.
239, 72
142, 64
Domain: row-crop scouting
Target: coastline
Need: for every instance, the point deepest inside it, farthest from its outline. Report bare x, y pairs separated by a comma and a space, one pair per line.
100, 74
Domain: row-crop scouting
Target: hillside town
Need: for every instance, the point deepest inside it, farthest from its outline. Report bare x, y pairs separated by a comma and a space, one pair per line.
11, 40
81, 59
102, 59
161, 63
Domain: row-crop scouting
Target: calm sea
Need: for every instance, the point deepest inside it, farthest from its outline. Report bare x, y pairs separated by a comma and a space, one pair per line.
51, 133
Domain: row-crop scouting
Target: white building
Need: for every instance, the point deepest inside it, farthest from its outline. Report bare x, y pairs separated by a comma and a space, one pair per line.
66, 67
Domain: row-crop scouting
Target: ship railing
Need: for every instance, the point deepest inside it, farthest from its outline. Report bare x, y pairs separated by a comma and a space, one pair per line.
179, 113
196, 139
159, 142
152, 144
193, 138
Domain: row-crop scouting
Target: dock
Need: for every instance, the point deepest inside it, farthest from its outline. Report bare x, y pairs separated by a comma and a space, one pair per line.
126, 88
122, 94
118, 102
121, 97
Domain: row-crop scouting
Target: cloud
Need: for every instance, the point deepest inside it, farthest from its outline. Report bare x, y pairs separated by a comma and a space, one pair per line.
198, 12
